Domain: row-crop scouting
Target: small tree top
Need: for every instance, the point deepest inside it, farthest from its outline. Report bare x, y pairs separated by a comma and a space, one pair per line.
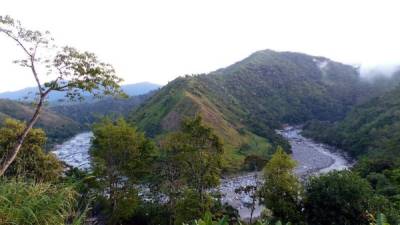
68, 70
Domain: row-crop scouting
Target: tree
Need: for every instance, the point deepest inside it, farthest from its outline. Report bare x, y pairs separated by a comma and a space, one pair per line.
170, 172
338, 198
282, 192
69, 71
33, 162
121, 158
201, 156
189, 164
253, 192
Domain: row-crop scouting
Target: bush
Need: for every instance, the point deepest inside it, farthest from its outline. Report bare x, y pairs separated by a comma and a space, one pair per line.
338, 198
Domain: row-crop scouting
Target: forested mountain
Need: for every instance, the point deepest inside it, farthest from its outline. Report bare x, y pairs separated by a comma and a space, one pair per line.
57, 127
372, 127
88, 112
62, 121
28, 94
246, 101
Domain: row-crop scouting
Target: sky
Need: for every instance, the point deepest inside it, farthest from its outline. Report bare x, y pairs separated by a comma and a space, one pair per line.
157, 41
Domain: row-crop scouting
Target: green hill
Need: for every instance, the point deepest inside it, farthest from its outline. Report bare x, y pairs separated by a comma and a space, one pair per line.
246, 101
372, 127
57, 127
86, 113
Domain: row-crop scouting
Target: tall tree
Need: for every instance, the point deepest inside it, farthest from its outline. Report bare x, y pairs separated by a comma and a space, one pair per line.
121, 158
68, 70
202, 156
170, 172
281, 192
190, 163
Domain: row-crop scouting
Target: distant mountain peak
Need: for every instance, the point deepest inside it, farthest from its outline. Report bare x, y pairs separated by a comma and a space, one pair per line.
28, 94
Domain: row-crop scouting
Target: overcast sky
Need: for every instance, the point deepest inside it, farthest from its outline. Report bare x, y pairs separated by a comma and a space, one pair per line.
157, 41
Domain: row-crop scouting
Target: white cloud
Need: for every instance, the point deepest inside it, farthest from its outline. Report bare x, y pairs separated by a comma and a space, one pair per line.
159, 40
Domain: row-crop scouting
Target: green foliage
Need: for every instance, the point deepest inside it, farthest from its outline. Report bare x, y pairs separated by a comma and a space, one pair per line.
370, 132
32, 162
121, 159
268, 222
57, 127
338, 198
201, 151
250, 99
38, 204
369, 128
191, 206
93, 111
282, 192
189, 164
75, 72
381, 220
208, 220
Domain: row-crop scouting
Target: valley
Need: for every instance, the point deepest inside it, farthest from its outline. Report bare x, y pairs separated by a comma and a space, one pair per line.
237, 128
312, 158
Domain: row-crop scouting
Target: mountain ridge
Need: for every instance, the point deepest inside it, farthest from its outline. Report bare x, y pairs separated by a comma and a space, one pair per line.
57, 127
28, 94
247, 101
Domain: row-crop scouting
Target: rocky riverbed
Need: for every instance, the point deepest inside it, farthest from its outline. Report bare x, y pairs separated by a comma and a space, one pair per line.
312, 158
75, 152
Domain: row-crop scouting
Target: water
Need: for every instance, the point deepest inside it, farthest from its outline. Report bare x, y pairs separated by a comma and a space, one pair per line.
312, 157
75, 152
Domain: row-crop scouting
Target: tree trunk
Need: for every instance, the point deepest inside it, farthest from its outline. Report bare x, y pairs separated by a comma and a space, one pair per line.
12, 154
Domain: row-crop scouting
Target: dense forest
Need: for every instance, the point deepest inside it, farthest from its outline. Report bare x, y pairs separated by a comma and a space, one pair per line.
159, 158
370, 133
87, 113
248, 100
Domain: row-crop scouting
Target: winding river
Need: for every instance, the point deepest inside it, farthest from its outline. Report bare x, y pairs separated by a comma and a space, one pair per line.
312, 157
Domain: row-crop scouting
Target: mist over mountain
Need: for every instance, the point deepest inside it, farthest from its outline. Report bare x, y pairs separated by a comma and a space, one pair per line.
377, 71
369, 126
247, 101
270, 113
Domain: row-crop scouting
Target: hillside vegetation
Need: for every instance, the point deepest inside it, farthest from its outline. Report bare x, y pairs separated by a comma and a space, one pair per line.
246, 101
57, 127
88, 112
372, 127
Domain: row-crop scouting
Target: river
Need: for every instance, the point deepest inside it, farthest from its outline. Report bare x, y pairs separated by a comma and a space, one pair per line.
75, 152
312, 157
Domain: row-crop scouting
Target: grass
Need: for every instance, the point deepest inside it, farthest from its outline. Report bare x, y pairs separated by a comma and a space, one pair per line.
26, 203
